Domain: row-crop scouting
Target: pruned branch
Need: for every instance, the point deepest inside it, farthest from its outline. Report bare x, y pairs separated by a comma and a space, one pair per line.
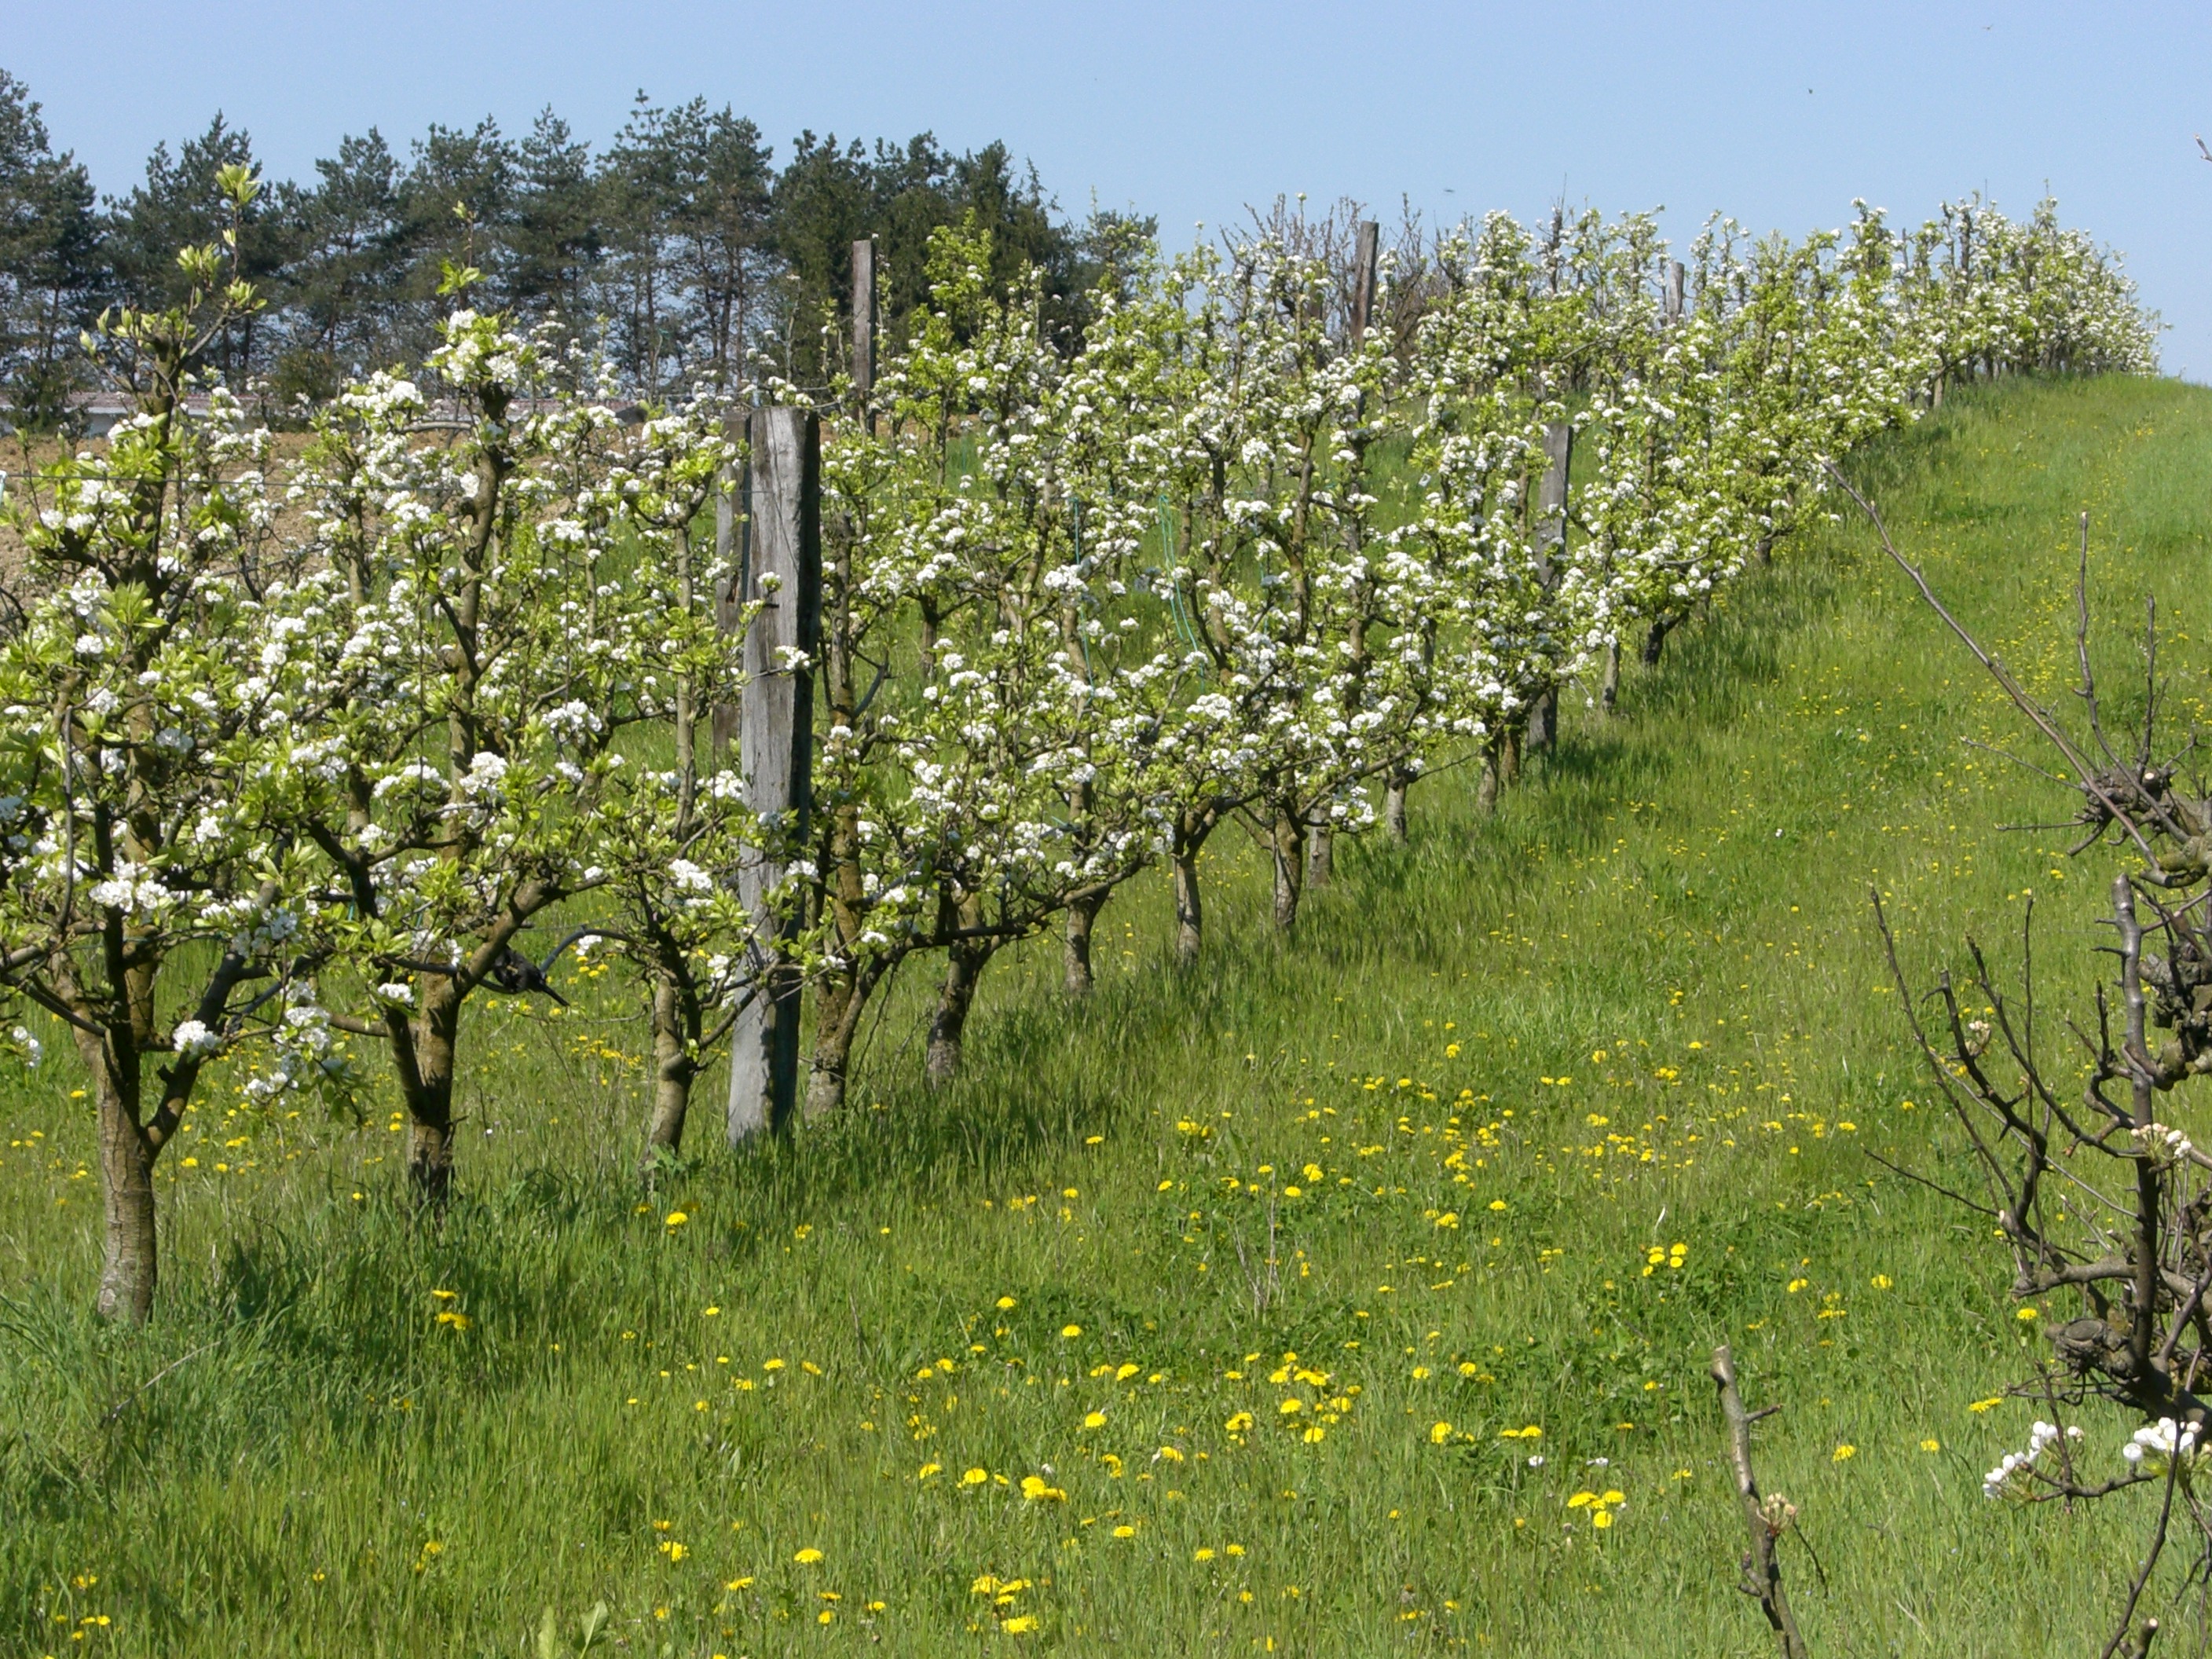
1765, 1518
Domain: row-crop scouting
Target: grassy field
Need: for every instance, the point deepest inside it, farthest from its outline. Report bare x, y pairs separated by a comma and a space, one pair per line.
1285, 1306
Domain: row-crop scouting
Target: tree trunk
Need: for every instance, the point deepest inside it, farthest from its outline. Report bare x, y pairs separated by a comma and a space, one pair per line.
1290, 867
963, 968
130, 1262
1654, 640
1082, 914
1321, 853
673, 1071
1608, 690
1544, 719
837, 1008
1190, 914
1394, 805
1509, 758
427, 1077
1485, 793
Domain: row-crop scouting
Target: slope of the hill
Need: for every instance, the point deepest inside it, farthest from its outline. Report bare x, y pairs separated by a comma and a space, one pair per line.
1301, 1304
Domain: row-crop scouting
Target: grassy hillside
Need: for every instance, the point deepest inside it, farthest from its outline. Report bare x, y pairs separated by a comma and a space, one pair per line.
1304, 1292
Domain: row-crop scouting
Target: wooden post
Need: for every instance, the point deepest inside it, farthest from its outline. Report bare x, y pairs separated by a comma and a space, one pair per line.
1362, 279
733, 539
1551, 535
1321, 843
776, 730
1674, 290
864, 327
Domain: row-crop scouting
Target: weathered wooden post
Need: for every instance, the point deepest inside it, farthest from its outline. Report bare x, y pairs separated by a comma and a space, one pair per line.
1321, 849
775, 735
864, 329
1551, 539
1675, 291
1364, 260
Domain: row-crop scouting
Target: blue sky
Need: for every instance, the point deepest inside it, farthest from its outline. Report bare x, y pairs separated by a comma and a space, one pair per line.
1779, 113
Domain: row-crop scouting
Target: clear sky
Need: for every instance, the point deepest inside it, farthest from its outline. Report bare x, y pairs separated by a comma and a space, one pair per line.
1780, 113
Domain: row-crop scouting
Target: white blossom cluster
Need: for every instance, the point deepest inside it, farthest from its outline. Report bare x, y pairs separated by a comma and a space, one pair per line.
2013, 1476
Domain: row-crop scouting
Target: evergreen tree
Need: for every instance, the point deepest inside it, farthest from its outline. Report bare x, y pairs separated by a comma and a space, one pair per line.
340, 294
180, 204
50, 271
556, 243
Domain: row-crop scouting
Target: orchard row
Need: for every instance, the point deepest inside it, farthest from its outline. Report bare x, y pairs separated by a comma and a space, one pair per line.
297, 758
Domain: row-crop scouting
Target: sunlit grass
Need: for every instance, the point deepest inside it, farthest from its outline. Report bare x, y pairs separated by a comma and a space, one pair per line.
1475, 1171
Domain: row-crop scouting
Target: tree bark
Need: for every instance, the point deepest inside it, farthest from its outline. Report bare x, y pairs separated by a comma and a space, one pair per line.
1190, 914
426, 1079
130, 1262
1290, 868
1544, 719
1608, 690
1320, 853
963, 968
1394, 805
673, 1072
1082, 914
1509, 758
1654, 640
1485, 792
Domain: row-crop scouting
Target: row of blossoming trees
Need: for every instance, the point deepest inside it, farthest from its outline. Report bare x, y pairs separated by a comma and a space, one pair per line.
296, 759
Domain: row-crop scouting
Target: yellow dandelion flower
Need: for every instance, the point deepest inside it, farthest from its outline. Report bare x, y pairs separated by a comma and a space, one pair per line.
1125, 1532
807, 1557
1439, 1432
677, 1217
973, 1478
1071, 1332
1931, 1445
1843, 1454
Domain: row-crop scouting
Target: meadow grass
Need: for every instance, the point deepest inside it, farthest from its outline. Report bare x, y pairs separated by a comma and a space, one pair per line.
1530, 1113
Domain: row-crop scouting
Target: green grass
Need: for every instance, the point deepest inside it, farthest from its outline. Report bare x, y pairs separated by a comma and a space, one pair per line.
1646, 1003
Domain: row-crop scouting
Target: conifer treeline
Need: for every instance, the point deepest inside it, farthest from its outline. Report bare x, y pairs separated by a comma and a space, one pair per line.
680, 246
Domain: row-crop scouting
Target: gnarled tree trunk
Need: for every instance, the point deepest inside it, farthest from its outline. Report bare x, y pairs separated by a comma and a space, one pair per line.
674, 1070
425, 1049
